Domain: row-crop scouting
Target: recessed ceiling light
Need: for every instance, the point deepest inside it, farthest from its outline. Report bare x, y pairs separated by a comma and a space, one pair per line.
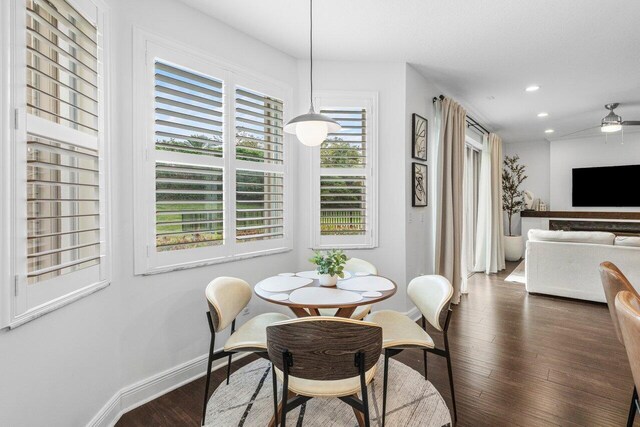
548, 131
543, 114
532, 88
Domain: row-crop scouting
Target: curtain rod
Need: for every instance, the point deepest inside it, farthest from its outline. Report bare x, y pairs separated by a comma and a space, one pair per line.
471, 122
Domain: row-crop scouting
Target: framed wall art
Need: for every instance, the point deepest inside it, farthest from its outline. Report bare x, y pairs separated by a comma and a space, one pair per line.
419, 185
419, 137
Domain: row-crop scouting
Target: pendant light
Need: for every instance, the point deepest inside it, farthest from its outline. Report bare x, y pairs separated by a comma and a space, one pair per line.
311, 128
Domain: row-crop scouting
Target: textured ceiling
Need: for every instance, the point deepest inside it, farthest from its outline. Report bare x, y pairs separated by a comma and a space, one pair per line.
583, 53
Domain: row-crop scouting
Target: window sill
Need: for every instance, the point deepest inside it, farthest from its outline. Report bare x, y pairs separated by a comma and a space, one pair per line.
222, 260
56, 304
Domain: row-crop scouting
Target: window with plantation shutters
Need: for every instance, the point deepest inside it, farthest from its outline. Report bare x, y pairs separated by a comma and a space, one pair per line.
214, 161
345, 195
188, 127
259, 186
343, 198
59, 222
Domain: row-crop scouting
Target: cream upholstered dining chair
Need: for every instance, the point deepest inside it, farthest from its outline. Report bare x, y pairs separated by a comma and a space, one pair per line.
227, 297
355, 265
628, 312
314, 357
614, 282
431, 294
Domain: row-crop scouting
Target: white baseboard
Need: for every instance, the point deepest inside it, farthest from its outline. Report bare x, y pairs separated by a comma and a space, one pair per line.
143, 391
150, 388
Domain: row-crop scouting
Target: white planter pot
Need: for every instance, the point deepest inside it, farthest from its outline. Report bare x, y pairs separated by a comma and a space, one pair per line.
327, 280
513, 247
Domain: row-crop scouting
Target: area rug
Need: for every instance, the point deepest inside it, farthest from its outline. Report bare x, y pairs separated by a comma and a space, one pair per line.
248, 401
518, 275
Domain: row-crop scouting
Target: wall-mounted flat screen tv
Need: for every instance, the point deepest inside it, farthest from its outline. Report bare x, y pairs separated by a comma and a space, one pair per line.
608, 186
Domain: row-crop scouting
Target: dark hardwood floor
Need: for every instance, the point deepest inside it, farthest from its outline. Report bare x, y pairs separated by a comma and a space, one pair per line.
518, 359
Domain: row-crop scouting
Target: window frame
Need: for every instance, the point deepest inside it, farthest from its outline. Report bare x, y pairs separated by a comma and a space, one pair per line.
348, 99
27, 302
147, 47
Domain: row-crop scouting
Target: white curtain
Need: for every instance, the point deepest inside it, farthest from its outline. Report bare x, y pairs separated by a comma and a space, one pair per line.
451, 144
470, 216
490, 229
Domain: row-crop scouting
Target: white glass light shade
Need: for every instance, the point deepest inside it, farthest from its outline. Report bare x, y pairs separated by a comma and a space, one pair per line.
311, 134
612, 122
611, 128
312, 128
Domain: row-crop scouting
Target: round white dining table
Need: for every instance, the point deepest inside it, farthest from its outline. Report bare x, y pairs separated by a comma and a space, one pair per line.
304, 295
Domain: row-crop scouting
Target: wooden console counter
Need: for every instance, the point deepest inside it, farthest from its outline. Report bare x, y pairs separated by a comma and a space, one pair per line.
581, 215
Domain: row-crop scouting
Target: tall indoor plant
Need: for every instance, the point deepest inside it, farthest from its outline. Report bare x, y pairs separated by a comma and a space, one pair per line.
513, 174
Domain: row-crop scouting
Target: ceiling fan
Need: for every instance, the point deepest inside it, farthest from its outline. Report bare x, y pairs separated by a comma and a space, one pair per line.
610, 123
613, 122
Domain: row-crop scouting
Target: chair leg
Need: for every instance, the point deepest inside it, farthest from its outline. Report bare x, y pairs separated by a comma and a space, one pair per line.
453, 396
424, 355
229, 369
424, 352
275, 393
384, 386
206, 387
633, 409
365, 401
283, 411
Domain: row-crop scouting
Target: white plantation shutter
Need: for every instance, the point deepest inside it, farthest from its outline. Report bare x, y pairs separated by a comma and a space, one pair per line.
63, 209
62, 65
260, 205
188, 111
189, 206
60, 207
189, 127
345, 196
213, 184
259, 127
259, 190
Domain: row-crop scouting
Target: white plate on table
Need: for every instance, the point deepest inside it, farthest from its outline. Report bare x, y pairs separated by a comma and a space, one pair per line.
367, 283
283, 284
313, 274
279, 297
372, 294
321, 296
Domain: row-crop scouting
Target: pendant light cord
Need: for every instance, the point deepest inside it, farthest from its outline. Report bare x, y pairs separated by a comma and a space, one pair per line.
311, 52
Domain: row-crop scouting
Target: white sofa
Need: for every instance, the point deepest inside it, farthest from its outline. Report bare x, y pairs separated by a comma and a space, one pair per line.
565, 263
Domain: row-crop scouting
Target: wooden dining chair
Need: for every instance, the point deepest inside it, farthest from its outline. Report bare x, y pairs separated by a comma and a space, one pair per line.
431, 294
614, 282
628, 312
355, 265
227, 297
323, 357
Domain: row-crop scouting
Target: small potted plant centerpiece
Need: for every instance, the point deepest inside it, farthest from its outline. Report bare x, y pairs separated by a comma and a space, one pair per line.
512, 203
329, 266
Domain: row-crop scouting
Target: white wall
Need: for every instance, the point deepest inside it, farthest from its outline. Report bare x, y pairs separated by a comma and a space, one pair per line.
420, 238
388, 80
61, 369
64, 368
586, 152
535, 156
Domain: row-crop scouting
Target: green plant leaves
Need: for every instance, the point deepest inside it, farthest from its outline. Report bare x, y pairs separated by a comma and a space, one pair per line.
329, 262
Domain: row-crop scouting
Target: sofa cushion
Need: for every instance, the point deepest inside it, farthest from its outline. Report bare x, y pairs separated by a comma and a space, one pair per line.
595, 237
627, 241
